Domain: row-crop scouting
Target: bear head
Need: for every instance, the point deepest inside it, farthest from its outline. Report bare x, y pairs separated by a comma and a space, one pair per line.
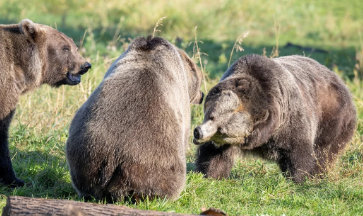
241, 109
157, 46
60, 60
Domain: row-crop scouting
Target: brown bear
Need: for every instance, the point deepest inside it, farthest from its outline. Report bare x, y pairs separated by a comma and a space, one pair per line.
291, 109
130, 136
30, 55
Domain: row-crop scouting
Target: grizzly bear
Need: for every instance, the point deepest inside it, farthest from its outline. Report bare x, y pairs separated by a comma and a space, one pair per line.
129, 138
291, 109
31, 55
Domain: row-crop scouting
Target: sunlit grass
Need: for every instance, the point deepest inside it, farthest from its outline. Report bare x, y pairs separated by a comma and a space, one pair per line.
40, 127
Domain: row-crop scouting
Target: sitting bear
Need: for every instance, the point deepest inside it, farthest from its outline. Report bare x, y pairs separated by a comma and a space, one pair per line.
129, 138
291, 109
31, 55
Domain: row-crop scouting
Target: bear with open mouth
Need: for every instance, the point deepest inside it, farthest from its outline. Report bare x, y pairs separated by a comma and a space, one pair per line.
31, 54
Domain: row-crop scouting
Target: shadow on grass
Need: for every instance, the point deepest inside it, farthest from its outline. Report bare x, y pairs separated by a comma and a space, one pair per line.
190, 167
44, 174
218, 53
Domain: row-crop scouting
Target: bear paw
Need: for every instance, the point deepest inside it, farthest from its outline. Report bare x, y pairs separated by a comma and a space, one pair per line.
13, 183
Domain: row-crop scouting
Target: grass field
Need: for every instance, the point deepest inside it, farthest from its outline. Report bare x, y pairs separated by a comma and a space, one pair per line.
328, 31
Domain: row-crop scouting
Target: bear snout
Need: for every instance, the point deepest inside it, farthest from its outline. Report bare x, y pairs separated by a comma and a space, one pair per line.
204, 132
84, 68
198, 133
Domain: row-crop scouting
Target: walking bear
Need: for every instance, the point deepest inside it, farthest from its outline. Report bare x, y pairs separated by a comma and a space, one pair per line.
291, 109
31, 55
130, 136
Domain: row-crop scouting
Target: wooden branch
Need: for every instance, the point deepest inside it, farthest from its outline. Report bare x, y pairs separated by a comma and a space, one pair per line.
17, 205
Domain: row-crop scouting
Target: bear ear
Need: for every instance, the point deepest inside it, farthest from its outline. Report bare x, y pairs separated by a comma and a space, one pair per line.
242, 85
195, 77
29, 29
189, 62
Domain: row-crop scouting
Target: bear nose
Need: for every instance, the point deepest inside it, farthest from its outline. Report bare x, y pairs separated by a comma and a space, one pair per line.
85, 67
201, 99
198, 134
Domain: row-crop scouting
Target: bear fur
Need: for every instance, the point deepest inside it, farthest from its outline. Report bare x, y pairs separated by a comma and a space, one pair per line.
130, 136
291, 109
31, 55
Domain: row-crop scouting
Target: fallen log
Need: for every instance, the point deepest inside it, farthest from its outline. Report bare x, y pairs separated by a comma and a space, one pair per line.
17, 205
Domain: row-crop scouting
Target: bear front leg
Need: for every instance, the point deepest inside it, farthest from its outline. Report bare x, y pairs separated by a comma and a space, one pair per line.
298, 162
7, 175
215, 162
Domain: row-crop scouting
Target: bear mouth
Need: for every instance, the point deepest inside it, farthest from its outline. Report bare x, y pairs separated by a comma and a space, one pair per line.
73, 79
222, 140
197, 142
201, 141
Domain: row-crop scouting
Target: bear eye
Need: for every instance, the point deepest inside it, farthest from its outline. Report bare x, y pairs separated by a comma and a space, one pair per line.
66, 49
214, 91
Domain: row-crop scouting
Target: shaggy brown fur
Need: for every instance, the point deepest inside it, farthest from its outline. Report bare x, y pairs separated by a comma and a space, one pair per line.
30, 55
130, 136
291, 109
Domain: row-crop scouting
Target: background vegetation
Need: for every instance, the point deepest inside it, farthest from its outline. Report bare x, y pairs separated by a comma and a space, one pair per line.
328, 31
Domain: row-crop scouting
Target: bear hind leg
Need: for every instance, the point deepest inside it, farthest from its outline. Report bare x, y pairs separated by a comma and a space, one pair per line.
335, 135
297, 163
326, 156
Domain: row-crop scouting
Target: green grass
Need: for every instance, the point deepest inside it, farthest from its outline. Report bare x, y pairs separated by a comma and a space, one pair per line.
40, 127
